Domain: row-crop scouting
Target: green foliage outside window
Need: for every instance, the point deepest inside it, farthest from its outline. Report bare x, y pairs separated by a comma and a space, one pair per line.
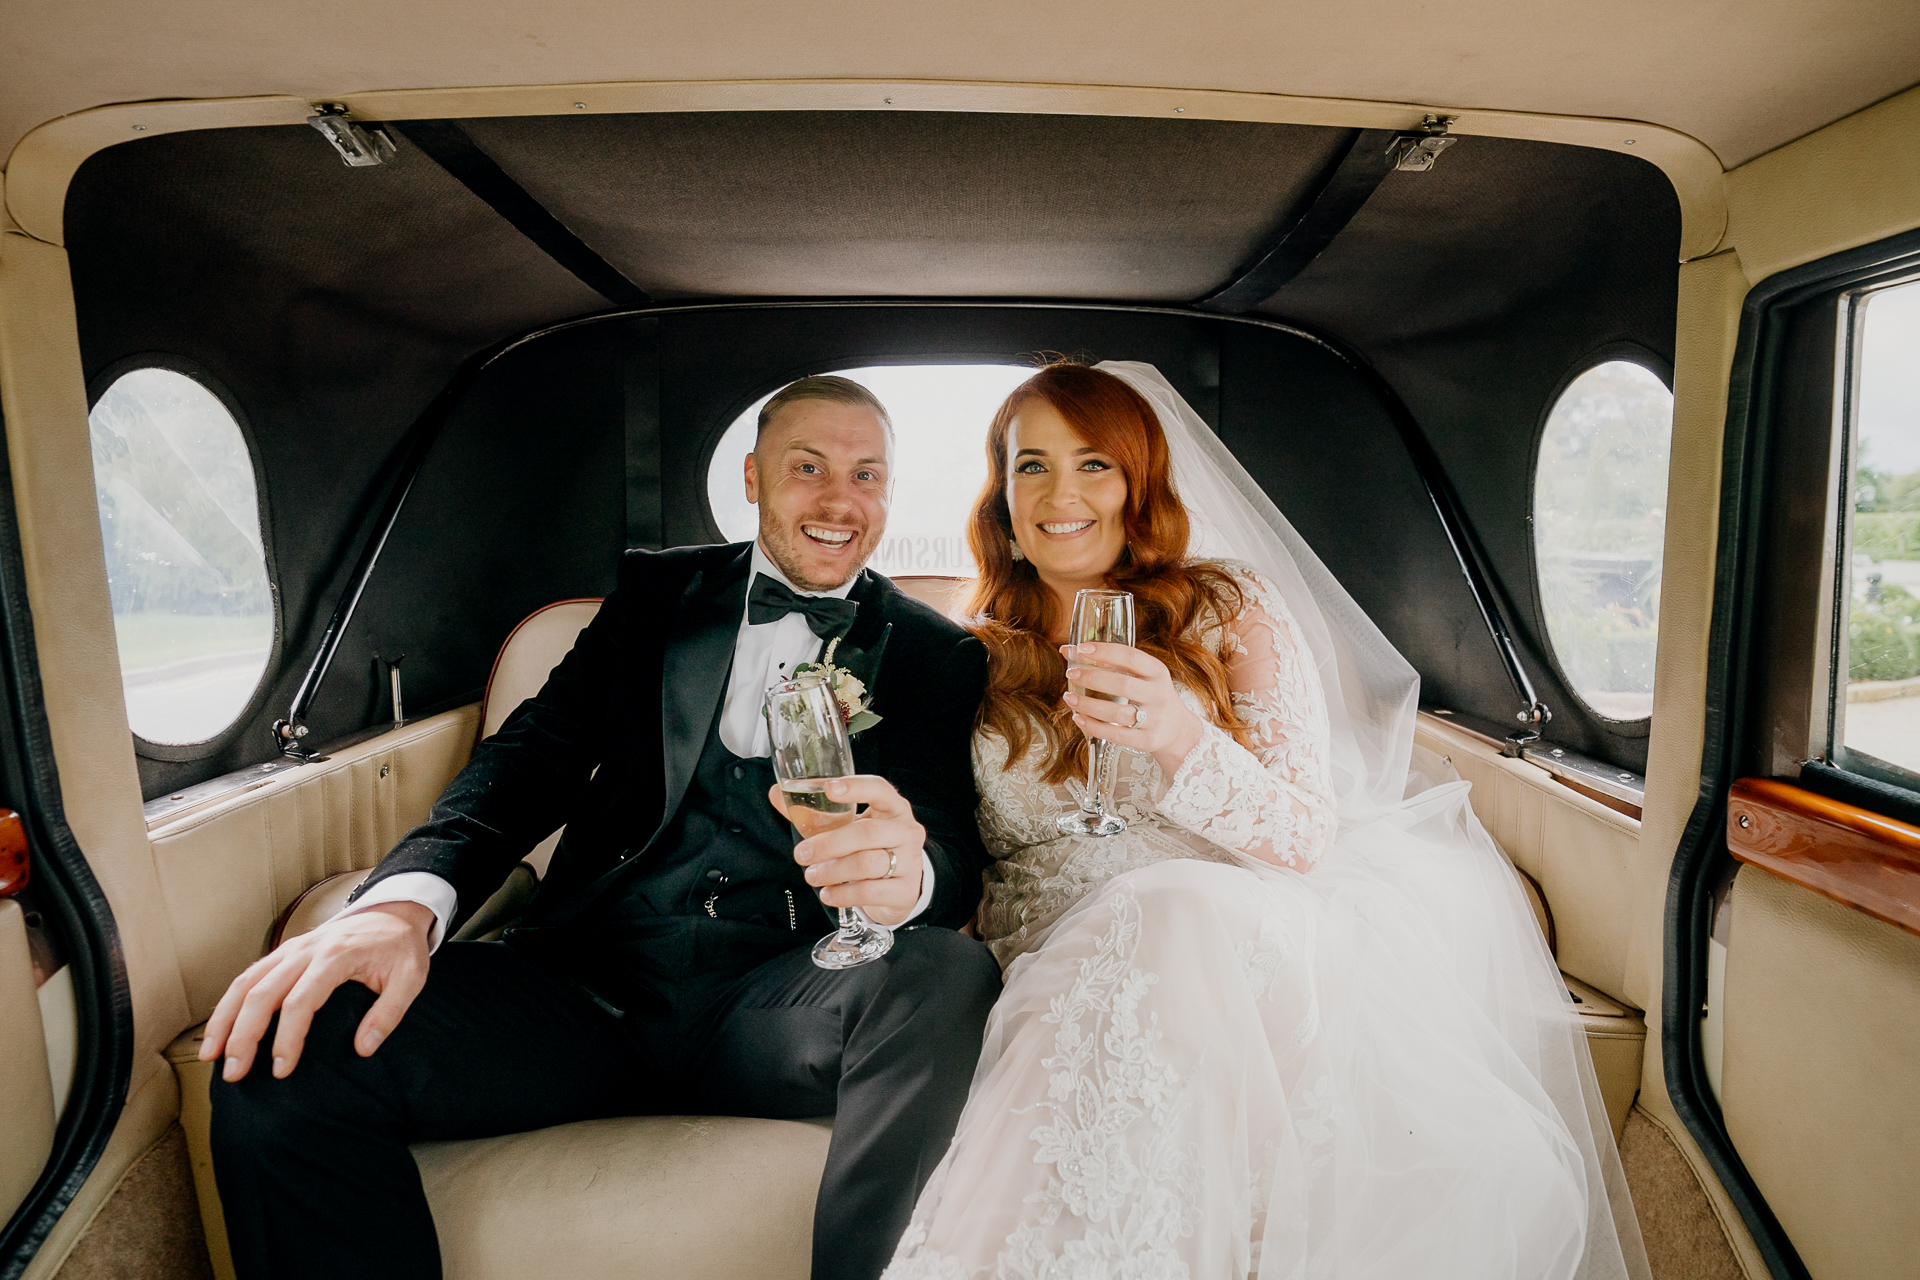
1883, 636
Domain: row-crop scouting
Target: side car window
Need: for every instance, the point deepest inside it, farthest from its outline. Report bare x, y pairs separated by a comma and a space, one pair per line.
1880, 715
180, 519
1599, 522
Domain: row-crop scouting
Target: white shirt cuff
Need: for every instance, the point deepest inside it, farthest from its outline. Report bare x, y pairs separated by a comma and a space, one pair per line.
425, 888
926, 891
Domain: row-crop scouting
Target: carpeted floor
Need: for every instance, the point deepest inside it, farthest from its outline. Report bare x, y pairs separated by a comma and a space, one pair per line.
150, 1228
1684, 1239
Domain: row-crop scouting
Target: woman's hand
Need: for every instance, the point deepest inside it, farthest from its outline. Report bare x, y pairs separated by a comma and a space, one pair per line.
1153, 719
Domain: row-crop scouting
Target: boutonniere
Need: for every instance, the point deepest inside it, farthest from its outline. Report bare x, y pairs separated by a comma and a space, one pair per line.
848, 689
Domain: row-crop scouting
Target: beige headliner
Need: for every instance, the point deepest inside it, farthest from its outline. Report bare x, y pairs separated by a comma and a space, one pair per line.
1742, 77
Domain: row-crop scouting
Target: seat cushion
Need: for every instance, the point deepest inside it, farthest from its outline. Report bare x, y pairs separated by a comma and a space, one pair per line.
681, 1196
687, 1197
531, 652
944, 594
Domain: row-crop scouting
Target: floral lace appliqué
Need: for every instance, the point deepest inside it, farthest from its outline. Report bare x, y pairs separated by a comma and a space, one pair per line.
1113, 1103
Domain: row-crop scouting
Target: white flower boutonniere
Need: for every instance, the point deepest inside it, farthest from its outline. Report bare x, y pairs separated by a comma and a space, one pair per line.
849, 690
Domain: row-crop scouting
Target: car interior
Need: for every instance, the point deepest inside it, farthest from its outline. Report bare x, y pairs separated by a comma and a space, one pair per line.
337, 372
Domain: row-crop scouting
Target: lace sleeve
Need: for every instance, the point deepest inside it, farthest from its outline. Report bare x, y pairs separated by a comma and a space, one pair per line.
1275, 802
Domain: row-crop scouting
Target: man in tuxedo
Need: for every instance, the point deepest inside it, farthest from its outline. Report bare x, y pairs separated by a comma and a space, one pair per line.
664, 965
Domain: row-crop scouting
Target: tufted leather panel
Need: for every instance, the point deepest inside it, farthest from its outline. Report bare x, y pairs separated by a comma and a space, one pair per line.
1821, 1069
228, 869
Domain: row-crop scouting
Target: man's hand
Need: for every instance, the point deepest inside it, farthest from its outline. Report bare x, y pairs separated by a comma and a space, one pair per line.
849, 865
383, 947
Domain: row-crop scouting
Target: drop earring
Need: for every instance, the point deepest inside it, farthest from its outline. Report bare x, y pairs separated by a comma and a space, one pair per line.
1014, 549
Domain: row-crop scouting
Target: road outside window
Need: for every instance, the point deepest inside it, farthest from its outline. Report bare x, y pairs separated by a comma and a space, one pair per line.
1881, 715
192, 611
940, 418
1599, 524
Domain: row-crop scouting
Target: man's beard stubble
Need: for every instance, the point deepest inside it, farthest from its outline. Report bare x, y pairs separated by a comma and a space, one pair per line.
779, 549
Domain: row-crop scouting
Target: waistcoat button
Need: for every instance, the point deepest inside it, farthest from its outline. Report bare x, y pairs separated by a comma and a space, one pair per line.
738, 773
716, 874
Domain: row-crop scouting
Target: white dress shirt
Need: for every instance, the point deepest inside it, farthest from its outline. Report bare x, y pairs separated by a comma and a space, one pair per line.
762, 656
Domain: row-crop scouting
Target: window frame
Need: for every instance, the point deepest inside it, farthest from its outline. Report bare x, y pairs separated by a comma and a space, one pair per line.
1607, 353
1829, 731
97, 387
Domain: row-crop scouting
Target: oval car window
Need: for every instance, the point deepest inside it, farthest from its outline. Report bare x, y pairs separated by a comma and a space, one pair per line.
940, 417
192, 611
1599, 520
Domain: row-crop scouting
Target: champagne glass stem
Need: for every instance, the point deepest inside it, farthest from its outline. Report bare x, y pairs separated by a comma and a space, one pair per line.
1095, 801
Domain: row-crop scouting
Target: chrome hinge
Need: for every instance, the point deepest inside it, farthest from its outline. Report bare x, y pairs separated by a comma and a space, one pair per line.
287, 735
1416, 152
358, 147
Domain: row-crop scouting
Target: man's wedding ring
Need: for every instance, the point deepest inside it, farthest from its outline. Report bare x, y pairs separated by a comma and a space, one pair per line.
1139, 716
893, 862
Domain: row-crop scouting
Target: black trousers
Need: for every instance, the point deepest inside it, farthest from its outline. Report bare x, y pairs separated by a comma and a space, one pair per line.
314, 1171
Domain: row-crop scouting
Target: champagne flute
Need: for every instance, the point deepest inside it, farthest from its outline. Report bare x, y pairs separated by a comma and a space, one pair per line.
810, 747
1100, 616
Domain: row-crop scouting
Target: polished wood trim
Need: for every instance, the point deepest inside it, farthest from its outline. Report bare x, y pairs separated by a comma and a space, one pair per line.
15, 870
1852, 855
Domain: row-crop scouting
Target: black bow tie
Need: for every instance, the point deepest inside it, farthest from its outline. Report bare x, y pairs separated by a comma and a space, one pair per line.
771, 600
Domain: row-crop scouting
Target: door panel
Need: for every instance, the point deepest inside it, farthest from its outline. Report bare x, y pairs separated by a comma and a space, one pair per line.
1581, 852
228, 869
26, 1105
1822, 1069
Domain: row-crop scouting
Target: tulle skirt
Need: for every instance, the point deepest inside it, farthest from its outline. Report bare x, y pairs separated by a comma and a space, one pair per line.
1367, 1070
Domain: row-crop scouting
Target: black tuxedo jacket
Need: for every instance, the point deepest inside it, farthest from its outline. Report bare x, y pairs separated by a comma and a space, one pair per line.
635, 699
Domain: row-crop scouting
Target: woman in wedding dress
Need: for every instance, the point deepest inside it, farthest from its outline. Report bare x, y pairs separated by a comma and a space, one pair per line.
1296, 1020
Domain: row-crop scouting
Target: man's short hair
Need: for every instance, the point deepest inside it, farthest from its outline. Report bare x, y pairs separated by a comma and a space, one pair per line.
823, 386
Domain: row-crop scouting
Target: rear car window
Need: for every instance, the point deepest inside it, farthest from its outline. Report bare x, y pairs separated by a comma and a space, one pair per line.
940, 416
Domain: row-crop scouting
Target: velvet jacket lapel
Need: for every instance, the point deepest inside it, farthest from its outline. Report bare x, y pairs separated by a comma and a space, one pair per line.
693, 671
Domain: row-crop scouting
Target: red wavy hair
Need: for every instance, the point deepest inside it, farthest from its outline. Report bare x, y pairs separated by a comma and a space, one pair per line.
1016, 614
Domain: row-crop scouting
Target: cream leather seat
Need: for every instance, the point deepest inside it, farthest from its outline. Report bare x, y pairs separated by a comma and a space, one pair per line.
661, 1195
687, 1197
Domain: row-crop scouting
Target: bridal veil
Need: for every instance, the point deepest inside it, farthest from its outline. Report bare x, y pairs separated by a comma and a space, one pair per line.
1425, 891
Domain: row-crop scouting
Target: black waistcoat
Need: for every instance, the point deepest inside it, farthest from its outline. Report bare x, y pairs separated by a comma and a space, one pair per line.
726, 855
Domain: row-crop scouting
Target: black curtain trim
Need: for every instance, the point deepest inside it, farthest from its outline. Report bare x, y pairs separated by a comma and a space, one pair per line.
1288, 250
449, 146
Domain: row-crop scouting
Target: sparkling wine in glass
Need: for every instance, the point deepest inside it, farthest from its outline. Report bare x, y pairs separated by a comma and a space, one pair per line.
1100, 616
810, 747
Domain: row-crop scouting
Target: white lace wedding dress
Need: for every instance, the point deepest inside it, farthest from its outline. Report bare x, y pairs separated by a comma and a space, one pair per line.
1223, 1052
